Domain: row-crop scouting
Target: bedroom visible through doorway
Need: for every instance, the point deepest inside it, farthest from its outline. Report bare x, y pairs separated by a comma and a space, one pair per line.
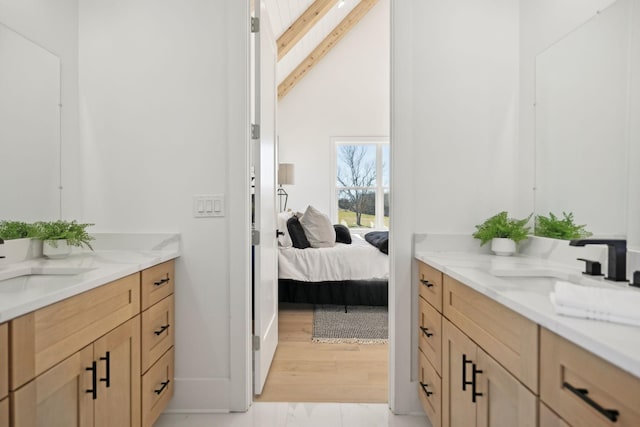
332, 133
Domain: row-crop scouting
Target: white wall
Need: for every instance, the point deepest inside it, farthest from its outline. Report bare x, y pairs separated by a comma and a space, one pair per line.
454, 142
160, 86
54, 26
345, 94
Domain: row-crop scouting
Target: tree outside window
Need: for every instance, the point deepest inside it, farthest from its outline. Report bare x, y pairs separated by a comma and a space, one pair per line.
362, 184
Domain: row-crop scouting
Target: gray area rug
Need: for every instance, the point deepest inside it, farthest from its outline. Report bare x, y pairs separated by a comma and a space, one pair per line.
361, 324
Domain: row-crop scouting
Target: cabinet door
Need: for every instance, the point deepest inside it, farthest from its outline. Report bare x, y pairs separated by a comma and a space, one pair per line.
458, 357
505, 402
4, 361
60, 397
548, 418
4, 413
118, 358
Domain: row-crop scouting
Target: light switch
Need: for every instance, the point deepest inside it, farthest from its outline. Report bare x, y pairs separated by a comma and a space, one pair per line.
208, 205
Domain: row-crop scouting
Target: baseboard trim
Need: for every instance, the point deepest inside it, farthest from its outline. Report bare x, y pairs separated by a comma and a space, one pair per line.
200, 395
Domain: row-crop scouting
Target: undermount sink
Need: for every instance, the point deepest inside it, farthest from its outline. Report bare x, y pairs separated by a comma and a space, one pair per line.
548, 276
43, 271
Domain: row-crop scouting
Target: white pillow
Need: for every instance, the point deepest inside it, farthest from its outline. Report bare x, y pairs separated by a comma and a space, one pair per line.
318, 228
284, 240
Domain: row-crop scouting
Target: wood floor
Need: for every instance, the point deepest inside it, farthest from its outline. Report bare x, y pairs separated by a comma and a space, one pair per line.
304, 371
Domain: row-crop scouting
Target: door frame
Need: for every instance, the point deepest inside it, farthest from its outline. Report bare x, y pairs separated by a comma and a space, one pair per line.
402, 370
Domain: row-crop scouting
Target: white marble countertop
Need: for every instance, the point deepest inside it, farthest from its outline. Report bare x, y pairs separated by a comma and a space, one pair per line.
619, 344
43, 281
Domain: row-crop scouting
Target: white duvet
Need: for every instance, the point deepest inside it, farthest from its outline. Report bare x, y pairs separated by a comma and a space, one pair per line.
357, 261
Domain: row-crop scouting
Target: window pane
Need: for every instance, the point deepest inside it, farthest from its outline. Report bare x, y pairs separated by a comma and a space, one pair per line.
357, 208
386, 208
356, 165
385, 165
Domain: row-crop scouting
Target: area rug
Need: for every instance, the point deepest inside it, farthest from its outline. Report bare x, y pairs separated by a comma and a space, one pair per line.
360, 325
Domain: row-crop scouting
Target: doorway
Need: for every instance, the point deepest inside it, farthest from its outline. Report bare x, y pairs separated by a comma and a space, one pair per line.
298, 145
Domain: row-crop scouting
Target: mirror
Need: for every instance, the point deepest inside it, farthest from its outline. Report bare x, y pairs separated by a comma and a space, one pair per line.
583, 123
29, 129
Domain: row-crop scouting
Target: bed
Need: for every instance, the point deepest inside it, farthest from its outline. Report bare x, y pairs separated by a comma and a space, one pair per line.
345, 274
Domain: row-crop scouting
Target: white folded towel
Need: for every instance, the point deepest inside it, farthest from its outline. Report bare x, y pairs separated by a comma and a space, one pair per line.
611, 305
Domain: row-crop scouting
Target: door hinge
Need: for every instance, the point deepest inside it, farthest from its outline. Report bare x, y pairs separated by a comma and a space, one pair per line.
255, 237
255, 343
255, 131
255, 24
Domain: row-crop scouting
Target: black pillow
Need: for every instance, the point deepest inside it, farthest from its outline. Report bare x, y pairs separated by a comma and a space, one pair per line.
298, 238
342, 234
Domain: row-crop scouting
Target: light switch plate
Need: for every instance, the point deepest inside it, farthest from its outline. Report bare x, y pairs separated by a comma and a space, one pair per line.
208, 205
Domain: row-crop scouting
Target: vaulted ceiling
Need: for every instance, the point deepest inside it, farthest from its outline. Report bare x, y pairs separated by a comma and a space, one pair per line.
306, 30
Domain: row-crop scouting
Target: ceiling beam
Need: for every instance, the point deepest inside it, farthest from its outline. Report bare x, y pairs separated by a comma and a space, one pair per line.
325, 46
302, 25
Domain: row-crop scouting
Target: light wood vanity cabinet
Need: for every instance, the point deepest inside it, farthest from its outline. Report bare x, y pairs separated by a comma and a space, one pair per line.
82, 361
487, 358
4, 375
522, 375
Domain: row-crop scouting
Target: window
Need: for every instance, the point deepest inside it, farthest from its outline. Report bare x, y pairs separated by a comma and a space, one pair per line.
362, 183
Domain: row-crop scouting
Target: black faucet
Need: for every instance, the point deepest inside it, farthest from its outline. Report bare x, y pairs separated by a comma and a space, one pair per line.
617, 264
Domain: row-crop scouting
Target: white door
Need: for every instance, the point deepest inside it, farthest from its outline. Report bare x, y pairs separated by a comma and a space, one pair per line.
265, 296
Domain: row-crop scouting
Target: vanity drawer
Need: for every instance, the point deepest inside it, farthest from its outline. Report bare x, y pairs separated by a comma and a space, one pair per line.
46, 336
429, 382
157, 283
4, 360
157, 331
565, 366
430, 334
510, 338
430, 285
157, 388
4, 413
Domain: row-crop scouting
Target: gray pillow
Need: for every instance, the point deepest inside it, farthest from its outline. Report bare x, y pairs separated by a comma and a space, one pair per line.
318, 228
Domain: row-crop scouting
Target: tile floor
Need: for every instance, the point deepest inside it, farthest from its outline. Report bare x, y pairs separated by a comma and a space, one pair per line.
299, 415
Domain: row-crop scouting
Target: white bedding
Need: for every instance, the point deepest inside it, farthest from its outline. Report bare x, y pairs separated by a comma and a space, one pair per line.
357, 261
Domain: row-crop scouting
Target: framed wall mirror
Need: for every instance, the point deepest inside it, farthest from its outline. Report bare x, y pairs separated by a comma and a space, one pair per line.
583, 123
30, 137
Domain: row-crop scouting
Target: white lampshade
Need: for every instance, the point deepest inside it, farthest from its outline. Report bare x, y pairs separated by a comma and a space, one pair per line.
286, 172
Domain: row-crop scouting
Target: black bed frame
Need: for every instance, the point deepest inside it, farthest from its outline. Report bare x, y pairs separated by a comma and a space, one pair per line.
346, 292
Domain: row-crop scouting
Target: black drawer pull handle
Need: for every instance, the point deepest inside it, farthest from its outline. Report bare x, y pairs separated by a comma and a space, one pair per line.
426, 331
474, 393
610, 414
465, 383
162, 329
426, 390
94, 381
107, 379
161, 282
163, 386
427, 283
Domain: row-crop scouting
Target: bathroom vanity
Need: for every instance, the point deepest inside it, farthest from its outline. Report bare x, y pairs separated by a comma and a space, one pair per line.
91, 348
492, 352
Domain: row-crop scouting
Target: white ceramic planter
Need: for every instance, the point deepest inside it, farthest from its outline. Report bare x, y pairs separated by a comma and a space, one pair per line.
503, 247
56, 249
22, 249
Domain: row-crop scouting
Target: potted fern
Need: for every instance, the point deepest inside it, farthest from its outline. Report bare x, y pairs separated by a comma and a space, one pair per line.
503, 233
560, 228
59, 236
